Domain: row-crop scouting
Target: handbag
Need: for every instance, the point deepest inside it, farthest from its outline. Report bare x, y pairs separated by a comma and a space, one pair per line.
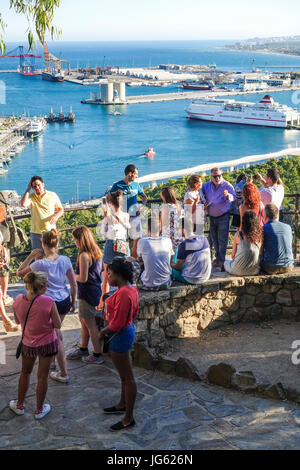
19, 347
121, 246
17, 235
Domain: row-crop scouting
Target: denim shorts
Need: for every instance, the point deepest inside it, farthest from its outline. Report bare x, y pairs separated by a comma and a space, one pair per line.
123, 341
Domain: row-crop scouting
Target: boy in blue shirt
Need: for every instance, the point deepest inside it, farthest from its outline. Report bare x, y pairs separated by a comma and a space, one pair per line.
131, 190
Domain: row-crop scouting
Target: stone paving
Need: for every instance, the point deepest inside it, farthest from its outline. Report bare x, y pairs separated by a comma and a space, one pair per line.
171, 413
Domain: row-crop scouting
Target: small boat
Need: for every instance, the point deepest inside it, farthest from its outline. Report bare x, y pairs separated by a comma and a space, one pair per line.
36, 127
115, 113
150, 152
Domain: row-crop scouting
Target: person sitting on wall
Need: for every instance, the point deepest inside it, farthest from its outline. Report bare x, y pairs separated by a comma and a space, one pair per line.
155, 252
192, 263
277, 245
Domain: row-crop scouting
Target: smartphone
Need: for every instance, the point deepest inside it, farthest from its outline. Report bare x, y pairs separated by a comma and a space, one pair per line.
104, 200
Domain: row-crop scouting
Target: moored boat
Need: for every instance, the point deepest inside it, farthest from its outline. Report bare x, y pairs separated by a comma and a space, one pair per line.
264, 113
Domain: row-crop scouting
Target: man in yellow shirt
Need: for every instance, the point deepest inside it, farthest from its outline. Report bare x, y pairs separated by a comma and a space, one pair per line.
45, 208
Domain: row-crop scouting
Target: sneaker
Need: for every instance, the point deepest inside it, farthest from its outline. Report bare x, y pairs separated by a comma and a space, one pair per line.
40, 414
60, 378
18, 409
77, 354
8, 300
91, 359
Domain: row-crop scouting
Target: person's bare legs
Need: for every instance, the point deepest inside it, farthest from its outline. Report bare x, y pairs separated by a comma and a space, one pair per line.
93, 334
85, 336
104, 287
61, 355
122, 363
24, 379
3, 313
42, 385
4, 285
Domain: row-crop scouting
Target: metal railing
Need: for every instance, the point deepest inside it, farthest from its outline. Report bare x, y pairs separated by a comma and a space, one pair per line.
295, 213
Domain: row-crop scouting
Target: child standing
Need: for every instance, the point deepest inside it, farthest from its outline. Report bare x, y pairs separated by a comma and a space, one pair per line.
39, 339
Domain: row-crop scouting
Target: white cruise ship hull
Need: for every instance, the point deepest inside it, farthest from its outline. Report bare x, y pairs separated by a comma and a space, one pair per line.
247, 114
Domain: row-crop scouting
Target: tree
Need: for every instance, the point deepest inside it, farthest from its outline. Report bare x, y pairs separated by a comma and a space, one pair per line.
39, 14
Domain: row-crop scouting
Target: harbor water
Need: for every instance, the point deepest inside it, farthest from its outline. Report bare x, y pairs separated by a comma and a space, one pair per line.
84, 158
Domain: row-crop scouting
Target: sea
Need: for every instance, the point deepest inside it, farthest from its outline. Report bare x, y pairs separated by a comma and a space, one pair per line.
80, 160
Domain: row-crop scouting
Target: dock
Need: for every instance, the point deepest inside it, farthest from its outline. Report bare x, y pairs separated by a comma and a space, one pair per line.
191, 95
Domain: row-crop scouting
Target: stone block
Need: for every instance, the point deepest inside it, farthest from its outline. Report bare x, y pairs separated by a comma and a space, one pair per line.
284, 297
141, 326
156, 338
220, 374
235, 304
244, 380
253, 314
169, 318
236, 282
190, 327
272, 311
185, 368
205, 319
296, 297
210, 287
238, 316
264, 299
221, 294
275, 391
143, 356
178, 292
253, 290
202, 303
270, 288
173, 331
166, 365
290, 312
278, 279
215, 304
247, 301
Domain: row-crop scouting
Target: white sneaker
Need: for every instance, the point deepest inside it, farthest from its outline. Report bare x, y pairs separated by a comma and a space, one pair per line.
40, 414
19, 410
8, 301
60, 378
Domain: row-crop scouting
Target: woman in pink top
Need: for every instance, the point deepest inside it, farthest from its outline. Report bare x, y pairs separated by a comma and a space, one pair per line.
120, 310
40, 339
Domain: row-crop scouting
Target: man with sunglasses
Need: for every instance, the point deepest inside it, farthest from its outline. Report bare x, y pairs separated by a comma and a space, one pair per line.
219, 196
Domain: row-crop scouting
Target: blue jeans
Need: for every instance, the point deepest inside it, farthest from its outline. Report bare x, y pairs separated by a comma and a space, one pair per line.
36, 240
219, 230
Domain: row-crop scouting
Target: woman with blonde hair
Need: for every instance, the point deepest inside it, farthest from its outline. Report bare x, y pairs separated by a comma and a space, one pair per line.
39, 319
171, 216
58, 269
89, 269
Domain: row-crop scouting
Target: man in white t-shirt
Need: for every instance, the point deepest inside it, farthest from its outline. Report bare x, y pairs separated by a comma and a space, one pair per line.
273, 190
155, 252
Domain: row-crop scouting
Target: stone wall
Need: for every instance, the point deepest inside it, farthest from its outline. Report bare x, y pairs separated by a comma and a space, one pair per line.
184, 311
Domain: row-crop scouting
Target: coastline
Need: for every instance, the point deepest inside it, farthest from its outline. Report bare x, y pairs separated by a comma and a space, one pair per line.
258, 52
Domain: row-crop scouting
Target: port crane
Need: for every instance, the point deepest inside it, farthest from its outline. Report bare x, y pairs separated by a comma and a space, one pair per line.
51, 59
27, 64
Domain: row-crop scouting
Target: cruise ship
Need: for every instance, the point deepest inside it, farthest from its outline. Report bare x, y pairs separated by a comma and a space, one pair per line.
36, 127
264, 113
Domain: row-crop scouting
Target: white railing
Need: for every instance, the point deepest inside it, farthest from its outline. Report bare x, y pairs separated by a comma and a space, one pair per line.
228, 164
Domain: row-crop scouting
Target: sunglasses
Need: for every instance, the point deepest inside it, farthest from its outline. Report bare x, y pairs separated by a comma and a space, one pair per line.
216, 176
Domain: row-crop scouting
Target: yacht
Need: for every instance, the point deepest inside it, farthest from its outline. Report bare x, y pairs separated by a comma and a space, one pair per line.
36, 127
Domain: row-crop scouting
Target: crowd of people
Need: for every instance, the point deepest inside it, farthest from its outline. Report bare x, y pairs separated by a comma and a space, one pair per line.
174, 248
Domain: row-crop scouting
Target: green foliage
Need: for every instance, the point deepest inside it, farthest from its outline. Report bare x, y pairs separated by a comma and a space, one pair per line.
38, 12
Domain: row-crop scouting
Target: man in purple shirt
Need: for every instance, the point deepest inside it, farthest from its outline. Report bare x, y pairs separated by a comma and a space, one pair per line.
219, 196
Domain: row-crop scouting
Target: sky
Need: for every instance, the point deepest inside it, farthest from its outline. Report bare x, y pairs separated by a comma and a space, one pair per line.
134, 20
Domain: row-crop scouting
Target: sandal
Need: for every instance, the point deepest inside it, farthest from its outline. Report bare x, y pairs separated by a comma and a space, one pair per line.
10, 326
120, 426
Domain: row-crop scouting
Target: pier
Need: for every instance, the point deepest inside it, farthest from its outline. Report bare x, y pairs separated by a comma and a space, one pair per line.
160, 97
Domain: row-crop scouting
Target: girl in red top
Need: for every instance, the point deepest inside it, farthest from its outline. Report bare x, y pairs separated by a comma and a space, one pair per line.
120, 310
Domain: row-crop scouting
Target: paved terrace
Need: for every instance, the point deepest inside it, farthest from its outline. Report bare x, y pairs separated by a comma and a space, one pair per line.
171, 413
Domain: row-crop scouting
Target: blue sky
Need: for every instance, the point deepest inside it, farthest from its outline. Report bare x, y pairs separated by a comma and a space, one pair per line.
103, 20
